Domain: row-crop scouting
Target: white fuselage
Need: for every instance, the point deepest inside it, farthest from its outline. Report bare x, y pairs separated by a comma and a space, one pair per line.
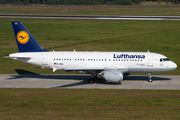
126, 62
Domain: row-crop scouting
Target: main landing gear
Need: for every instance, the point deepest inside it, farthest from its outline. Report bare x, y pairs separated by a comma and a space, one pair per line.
91, 80
150, 77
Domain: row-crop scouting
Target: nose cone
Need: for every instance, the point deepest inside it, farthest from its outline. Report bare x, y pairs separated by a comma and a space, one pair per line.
173, 66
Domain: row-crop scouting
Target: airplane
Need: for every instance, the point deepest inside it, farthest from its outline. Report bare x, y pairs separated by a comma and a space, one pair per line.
110, 66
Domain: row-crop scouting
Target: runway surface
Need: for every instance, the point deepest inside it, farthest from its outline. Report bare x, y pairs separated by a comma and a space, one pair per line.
91, 17
163, 82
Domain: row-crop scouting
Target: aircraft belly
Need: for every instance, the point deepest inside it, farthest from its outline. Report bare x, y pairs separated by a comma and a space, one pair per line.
148, 70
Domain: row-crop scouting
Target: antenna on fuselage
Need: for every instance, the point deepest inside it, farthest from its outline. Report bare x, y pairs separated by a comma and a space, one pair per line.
148, 51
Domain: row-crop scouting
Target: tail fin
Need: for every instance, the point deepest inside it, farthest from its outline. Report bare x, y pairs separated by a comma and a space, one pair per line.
25, 41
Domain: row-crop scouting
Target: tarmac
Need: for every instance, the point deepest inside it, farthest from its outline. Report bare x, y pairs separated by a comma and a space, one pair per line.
161, 82
106, 17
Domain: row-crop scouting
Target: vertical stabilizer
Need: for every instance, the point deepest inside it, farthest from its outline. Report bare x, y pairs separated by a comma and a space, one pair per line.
25, 41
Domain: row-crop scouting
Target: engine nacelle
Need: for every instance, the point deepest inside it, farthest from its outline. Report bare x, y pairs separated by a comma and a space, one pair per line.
113, 76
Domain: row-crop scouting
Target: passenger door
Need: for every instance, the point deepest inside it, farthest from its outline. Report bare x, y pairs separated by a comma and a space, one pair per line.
150, 61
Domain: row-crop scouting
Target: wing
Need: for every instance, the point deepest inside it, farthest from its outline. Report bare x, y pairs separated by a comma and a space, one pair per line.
79, 69
121, 68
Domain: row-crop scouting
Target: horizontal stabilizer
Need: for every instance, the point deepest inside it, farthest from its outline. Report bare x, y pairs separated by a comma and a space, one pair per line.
19, 56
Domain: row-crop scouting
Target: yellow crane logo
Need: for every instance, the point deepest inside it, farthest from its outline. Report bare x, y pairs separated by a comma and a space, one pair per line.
22, 37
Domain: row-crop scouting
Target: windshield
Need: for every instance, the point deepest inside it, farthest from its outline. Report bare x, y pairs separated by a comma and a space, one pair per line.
164, 59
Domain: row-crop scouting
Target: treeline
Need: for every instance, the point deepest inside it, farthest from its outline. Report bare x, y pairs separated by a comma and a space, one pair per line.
171, 1
72, 2
93, 2
83, 2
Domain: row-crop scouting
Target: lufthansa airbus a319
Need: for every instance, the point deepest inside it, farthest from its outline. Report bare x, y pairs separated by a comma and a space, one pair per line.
111, 66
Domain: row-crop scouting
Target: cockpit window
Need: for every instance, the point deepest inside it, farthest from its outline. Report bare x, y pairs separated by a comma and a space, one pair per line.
164, 59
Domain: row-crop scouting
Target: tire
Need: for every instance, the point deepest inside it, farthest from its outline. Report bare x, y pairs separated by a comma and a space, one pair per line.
150, 80
91, 81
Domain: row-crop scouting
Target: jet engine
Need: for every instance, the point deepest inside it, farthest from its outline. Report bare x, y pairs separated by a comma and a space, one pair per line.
113, 76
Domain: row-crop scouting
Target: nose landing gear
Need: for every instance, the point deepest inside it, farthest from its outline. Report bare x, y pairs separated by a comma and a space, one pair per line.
150, 77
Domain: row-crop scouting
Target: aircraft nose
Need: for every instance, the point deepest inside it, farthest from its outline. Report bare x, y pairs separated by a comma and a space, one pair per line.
173, 66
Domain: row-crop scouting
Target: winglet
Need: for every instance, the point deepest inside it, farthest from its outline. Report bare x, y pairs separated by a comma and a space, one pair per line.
25, 41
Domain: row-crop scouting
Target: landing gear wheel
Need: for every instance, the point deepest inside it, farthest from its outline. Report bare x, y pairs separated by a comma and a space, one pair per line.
91, 81
150, 80
96, 78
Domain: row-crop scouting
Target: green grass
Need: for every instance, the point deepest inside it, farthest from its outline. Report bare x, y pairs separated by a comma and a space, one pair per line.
101, 35
154, 10
97, 104
92, 35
